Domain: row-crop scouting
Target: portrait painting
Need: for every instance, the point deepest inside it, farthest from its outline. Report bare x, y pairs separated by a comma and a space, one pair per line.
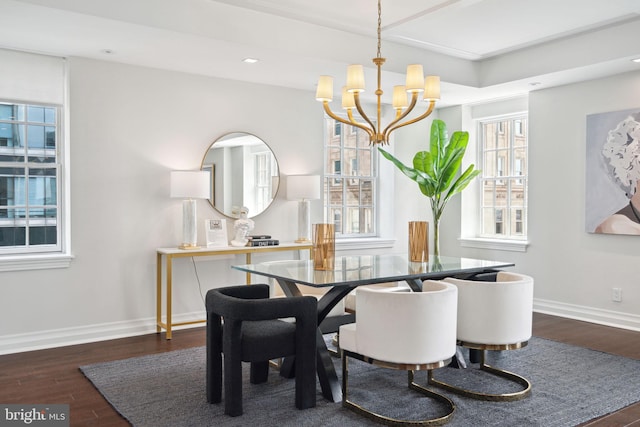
613, 173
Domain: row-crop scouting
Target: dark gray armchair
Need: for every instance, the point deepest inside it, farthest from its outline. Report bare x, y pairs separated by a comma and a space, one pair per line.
242, 324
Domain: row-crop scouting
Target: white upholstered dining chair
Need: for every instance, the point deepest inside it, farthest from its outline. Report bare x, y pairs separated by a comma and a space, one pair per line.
494, 315
402, 330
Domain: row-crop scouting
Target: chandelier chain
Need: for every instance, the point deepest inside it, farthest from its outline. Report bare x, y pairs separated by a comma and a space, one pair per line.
379, 27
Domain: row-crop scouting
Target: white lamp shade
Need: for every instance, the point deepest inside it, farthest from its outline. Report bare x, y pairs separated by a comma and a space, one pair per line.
324, 92
432, 88
355, 78
348, 100
303, 187
400, 97
190, 184
415, 78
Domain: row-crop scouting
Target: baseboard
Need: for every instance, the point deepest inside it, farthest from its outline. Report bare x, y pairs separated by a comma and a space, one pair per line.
588, 314
84, 334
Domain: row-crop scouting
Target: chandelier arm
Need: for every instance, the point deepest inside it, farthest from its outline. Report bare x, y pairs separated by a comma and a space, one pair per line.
354, 122
400, 116
426, 114
330, 113
356, 98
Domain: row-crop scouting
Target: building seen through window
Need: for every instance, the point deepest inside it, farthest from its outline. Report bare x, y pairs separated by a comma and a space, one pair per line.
349, 180
503, 144
29, 170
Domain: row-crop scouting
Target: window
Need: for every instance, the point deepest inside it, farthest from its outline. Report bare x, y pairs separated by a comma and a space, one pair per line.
349, 194
29, 178
503, 148
265, 169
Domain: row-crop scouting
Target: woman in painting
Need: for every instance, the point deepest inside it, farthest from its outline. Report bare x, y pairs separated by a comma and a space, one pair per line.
622, 152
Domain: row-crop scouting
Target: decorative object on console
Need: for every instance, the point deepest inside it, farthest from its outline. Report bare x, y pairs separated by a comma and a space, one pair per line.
242, 227
216, 230
263, 242
435, 171
415, 83
189, 185
418, 241
324, 246
259, 236
303, 188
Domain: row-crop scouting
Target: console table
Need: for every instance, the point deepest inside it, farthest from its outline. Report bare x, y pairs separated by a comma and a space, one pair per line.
170, 253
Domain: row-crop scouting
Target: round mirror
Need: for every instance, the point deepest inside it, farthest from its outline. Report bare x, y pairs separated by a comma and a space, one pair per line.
244, 173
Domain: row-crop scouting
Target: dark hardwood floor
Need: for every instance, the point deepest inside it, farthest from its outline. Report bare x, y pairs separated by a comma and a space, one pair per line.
52, 376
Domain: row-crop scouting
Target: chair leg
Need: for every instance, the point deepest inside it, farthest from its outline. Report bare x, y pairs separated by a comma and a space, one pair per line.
259, 372
214, 378
214, 359
305, 370
393, 421
501, 397
232, 384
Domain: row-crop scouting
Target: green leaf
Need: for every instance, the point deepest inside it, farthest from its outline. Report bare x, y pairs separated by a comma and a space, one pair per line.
435, 171
438, 140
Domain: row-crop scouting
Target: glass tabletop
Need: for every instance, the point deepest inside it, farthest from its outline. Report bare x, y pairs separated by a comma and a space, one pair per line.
369, 269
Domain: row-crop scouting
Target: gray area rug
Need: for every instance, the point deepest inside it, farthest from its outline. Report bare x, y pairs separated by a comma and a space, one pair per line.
571, 385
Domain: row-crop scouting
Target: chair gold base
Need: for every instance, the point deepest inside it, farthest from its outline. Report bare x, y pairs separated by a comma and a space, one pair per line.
412, 385
503, 397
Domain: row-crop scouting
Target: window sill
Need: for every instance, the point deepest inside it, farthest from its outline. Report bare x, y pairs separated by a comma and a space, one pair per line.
34, 262
364, 243
496, 244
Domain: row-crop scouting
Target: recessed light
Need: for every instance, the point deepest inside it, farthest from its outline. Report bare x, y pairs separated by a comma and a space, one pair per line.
535, 84
636, 60
250, 60
107, 51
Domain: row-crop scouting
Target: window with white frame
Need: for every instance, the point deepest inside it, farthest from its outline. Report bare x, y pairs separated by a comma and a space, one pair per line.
503, 182
265, 172
349, 180
34, 184
29, 177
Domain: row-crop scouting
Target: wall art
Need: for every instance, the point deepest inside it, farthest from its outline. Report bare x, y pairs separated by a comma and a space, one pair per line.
612, 202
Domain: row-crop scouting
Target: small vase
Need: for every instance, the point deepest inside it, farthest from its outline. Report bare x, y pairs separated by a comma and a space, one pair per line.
324, 249
418, 241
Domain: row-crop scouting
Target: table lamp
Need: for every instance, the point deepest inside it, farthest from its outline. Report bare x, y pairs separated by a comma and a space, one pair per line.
190, 185
303, 188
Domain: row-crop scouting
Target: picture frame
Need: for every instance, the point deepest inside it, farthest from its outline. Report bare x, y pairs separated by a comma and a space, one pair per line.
216, 232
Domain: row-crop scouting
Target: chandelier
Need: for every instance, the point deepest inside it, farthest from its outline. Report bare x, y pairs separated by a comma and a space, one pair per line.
414, 85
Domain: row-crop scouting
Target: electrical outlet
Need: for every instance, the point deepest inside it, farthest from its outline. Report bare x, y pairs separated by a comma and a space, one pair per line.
616, 294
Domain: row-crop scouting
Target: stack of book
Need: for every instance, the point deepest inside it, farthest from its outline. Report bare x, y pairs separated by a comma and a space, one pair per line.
262, 240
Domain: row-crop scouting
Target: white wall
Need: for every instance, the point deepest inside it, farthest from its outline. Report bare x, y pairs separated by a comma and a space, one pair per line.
574, 270
130, 126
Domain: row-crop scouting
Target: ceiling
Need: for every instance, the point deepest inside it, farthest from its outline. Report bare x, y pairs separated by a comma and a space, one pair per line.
482, 49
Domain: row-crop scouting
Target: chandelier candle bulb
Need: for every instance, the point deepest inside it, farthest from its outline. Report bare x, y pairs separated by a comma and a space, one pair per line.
415, 78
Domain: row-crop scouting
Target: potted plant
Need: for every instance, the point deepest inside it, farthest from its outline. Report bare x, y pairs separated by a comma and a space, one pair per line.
436, 171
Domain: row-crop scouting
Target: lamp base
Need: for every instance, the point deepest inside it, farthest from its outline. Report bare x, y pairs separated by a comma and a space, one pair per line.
188, 246
302, 240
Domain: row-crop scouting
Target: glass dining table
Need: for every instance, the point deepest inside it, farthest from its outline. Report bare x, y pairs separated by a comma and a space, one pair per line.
352, 271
